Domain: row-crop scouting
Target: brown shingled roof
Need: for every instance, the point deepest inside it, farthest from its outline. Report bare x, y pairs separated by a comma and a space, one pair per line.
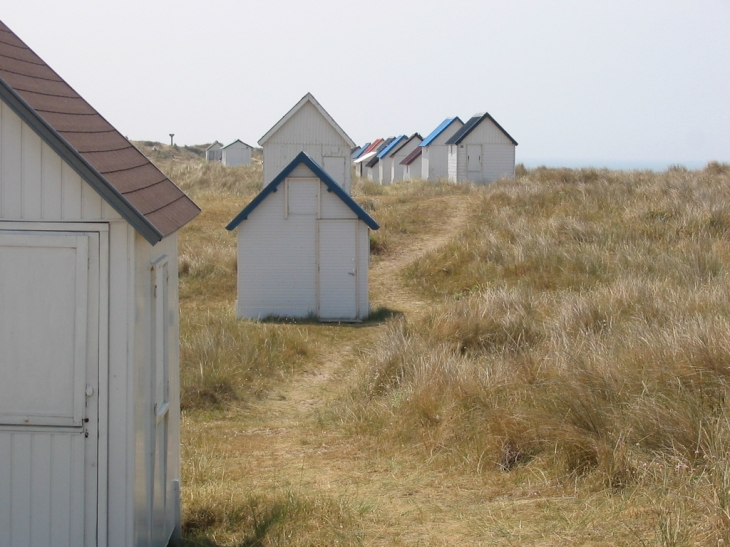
121, 174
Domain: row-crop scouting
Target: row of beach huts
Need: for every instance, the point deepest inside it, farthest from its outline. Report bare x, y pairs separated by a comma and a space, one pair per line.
478, 151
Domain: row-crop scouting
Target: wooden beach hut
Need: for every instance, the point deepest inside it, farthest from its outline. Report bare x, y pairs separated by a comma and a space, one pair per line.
434, 159
481, 151
213, 152
412, 164
236, 153
89, 391
401, 152
307, 127
303, 248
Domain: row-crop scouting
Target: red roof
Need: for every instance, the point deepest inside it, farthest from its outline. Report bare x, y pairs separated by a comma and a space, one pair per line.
121, 174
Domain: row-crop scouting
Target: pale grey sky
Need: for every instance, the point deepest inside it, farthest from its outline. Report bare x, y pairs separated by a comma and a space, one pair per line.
607, 80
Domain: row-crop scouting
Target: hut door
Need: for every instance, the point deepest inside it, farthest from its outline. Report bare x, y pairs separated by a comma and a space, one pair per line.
474, 162
50, 332
337, 269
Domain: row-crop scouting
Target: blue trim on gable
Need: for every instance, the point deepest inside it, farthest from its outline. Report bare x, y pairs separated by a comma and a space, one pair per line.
360, 150
322, 175
440, 129
392, 145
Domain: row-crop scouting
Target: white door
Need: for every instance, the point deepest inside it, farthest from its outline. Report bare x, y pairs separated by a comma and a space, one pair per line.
338, 275
49, 366
474, 162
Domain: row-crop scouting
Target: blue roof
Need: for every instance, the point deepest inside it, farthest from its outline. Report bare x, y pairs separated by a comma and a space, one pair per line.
332, 186
357, 153
440, 129
393, 144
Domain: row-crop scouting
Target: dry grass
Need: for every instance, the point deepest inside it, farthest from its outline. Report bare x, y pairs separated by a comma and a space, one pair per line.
565, 383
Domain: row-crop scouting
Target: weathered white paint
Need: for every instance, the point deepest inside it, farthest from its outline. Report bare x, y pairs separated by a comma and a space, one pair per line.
236, 153
435, 157
41, 196
483, 156
414, 170
306, 128
338, 271
396, 169
50, 295
281, 247
213, 152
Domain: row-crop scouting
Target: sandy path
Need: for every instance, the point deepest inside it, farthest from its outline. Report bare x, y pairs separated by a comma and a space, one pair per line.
277, 445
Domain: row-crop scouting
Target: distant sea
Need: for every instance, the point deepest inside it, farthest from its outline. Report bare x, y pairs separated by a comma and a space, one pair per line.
616, 165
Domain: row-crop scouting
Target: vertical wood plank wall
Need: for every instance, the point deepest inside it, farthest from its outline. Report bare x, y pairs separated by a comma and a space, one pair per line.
36, 184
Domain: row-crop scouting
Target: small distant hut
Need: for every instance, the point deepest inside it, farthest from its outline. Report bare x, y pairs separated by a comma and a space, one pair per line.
412, 164
303, 248
89, 378
236, 153
434, 162
385, 160
213, 152
399, 153
307, 127
481, 151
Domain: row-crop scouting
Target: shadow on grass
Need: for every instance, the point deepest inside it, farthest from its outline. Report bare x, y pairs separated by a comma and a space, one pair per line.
261, 525
377, 316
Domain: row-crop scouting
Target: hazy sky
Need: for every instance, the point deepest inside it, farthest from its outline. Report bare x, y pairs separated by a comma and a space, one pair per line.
581, 80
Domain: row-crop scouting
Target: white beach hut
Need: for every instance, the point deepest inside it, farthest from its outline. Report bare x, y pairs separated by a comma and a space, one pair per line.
213, 152
401, 152
412, 164
307, 127
434, 159
481, 151
384, 158
89, 393
236, 153
303, 248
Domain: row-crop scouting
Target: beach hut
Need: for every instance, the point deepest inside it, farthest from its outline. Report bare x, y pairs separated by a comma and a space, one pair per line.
303, 248
434, 160
213, 152
236, 153
412, 164
89, 391
481, 151
372, 167
399, 153
385, 160
307, 127
366, 155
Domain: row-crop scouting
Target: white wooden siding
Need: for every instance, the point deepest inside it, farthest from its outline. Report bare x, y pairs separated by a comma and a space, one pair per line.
338, 271
235, 154
306, 131
437, 152
486, 133
278, 257
36, 184
425, 162
396, 172
413, 171
385, 173
453, 162
498, 160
